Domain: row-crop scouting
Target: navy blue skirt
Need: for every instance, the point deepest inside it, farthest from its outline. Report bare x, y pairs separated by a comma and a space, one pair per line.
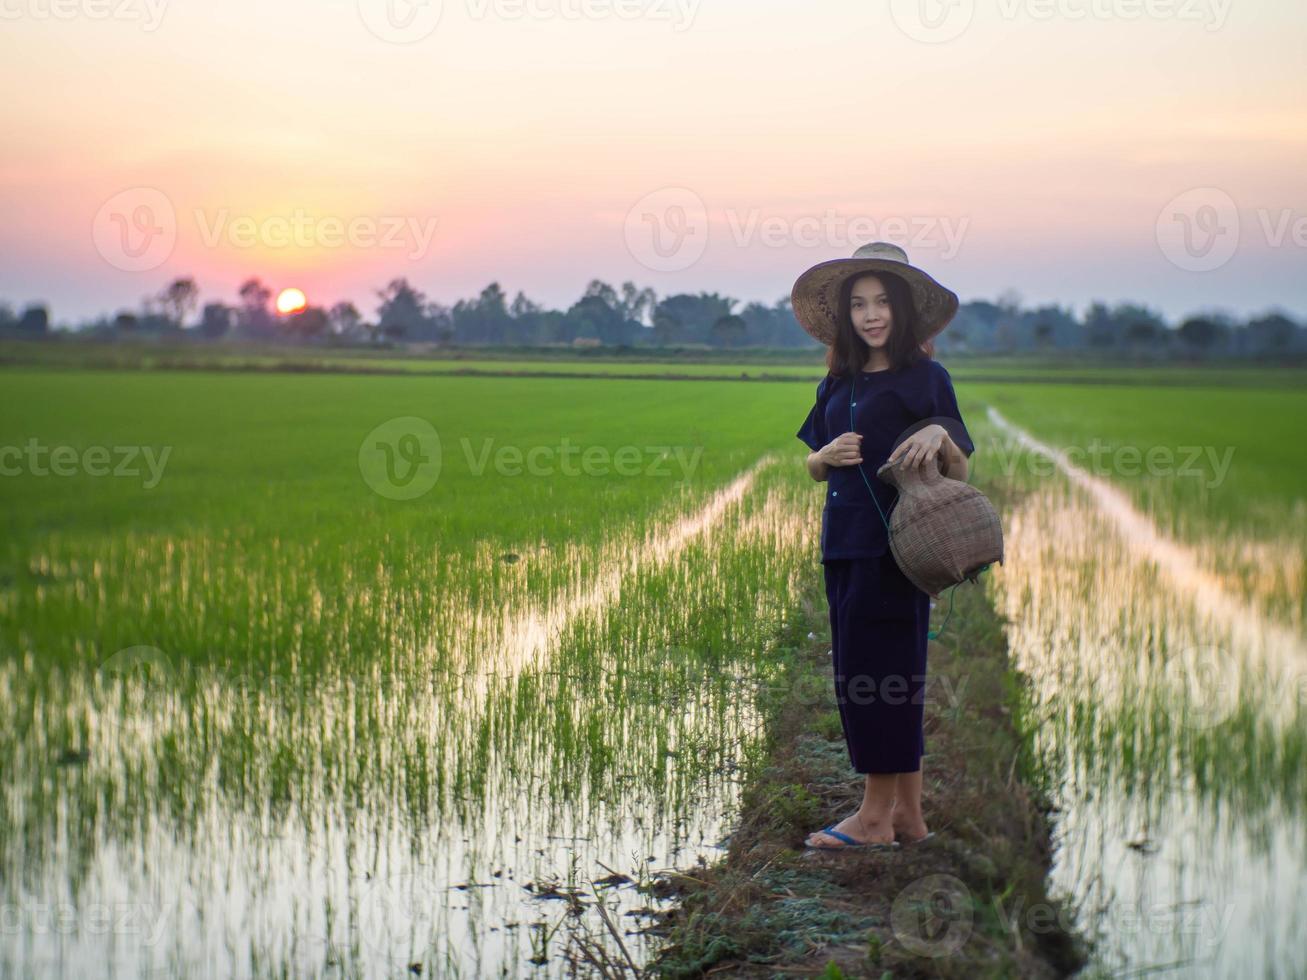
878, 622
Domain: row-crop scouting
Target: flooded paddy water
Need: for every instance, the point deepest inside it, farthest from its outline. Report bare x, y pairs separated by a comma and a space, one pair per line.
279, 726
1169, 715
317, 753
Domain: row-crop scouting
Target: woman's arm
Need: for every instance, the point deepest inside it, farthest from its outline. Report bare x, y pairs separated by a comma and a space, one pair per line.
843, 450
817, 469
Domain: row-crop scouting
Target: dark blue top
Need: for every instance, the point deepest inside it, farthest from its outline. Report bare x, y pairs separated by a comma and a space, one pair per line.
888, 407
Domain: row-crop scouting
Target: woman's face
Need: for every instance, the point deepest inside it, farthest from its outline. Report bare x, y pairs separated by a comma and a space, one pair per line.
869, 304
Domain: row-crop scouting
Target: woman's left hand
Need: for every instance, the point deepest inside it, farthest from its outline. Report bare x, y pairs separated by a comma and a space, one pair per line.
921, 447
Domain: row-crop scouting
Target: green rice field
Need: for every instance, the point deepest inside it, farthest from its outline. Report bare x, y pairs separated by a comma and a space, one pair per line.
334, 674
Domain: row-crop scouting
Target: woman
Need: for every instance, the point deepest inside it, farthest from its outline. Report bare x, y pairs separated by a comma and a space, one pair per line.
878, 315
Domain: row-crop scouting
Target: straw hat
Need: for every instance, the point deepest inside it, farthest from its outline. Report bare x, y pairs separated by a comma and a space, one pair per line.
815, 296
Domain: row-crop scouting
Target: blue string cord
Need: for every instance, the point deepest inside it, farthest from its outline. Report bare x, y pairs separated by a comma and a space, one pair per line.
932, 634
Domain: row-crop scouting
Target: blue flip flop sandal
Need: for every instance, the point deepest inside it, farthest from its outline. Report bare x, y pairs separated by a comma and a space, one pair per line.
849, 842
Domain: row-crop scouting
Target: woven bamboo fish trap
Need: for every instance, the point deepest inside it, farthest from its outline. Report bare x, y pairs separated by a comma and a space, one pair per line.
942, 532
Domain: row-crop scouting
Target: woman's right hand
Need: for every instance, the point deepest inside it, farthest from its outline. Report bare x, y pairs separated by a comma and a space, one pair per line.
843, 450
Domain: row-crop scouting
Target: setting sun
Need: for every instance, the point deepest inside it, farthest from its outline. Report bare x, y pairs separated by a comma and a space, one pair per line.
291, 301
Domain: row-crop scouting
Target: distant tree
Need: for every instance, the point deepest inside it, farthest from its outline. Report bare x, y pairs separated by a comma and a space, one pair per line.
523, 307
667, 329
729, 331
254, 318
1043, 335
216, 320
484, 320
774, 326
1271, 333
7, 319
1100, 327
345, 319
126, 322
695, 314
178, 298
637, 304
601, 290
35, 320
307, 323
592, 318
402, 312
1199, 333
1141, 333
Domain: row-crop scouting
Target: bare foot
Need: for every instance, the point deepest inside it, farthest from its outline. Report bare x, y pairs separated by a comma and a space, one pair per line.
863, 833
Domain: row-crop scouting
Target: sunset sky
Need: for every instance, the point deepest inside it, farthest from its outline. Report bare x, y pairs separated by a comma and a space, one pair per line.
1071, 150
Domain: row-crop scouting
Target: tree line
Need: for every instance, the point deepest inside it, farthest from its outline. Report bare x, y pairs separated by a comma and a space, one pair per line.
635, 317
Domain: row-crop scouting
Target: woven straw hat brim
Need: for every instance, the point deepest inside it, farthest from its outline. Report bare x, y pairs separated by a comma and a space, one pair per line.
815, 296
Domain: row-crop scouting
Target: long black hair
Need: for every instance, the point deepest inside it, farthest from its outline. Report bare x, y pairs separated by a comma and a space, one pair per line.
848, 355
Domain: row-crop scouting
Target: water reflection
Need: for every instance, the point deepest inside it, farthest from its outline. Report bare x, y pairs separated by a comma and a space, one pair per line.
1173, 729
378, 791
